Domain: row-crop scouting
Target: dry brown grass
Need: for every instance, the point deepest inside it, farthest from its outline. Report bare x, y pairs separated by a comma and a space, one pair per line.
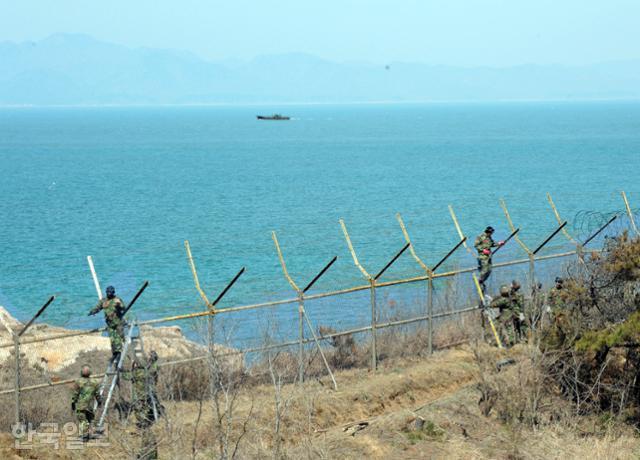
373, 414
322, 423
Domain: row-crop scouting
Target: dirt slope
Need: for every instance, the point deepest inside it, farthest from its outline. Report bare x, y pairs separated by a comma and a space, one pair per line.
372, 415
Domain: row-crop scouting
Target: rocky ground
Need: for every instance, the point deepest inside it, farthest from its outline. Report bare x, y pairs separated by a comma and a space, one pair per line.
56, 357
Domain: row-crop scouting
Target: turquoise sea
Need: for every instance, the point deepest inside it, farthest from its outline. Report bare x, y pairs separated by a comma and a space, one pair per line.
129, 185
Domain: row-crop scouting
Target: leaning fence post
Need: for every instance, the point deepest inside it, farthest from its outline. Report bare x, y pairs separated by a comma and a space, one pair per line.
485, 310
629, 213
96, 283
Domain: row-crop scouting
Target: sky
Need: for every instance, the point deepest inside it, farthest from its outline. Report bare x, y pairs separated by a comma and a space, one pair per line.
448, 32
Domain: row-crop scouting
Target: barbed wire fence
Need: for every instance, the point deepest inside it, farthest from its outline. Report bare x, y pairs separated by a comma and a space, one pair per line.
423, 303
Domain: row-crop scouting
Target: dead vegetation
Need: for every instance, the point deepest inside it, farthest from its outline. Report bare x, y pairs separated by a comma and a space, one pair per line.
411, 408
595, 338
571, 391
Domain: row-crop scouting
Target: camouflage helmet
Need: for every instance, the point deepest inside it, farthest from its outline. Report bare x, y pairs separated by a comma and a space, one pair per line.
515, 285
489, 229
559, 280
153, 356
504, 290
85, 371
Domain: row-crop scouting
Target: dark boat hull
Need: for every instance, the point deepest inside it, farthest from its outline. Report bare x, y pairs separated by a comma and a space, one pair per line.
262, 117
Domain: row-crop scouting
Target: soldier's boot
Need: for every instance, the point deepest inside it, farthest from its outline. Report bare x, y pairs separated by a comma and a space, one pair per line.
522, 331
149, 447
83, 427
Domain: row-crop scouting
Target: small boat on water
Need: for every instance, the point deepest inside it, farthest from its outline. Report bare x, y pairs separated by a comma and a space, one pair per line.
275, 116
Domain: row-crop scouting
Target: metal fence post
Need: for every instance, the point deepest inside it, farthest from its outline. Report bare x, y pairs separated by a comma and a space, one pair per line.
429, 274
301, 312
429, 316
16, 339
374, 345
532, 272
559, 219
300, 337
288, 301
430, 313
630, 213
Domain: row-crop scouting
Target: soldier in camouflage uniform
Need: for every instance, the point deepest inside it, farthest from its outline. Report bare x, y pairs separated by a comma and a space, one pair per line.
113, 308
517, 300
85, 391
483, 244
144, 379
506, 316
560, 326
555, 300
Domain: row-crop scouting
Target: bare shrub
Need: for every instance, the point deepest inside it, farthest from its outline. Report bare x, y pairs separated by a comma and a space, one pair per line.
37, 406
345, 351
225, 380
516, 391
596, 334
184, 381
586, 352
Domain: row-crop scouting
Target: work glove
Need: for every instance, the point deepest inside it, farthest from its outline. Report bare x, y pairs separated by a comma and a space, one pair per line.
486, 252
500, 243
521, 317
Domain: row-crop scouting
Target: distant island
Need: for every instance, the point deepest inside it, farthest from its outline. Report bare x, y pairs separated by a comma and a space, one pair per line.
71, 69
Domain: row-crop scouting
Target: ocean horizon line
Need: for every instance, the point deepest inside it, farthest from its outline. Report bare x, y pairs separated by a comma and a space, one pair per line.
325, 103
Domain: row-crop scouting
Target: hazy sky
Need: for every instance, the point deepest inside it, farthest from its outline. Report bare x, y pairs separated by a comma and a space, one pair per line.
459, 32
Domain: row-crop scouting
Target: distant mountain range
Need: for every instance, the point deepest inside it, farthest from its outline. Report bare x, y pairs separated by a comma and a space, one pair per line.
70, 69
